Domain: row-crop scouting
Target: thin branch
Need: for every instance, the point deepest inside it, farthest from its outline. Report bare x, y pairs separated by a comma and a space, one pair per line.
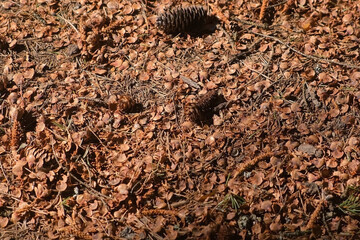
259, 25
4, 173
253, 70
143, 13
231, 41
264, 70
327, 227
277, 4
348, 65
68, 22
190, 82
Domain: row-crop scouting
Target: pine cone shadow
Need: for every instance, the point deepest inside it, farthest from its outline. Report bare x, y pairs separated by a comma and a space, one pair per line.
207, 28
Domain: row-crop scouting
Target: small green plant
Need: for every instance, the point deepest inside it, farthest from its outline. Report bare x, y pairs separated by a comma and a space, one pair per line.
351, 205
235, 200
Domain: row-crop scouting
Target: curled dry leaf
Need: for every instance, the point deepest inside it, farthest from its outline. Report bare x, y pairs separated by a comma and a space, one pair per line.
17, 169
262, 86
4, 222
353, 141
122, 189
18, 78
257, 179
29, 74
266, 205
61, 185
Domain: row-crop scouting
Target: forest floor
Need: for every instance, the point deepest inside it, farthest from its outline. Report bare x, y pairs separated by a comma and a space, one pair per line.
111, 128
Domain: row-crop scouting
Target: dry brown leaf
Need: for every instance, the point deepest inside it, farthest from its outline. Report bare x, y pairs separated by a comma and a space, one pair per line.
266, 205
29, 74
61, 185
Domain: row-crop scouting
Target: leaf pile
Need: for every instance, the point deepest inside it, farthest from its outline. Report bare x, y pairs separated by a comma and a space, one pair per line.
112, 129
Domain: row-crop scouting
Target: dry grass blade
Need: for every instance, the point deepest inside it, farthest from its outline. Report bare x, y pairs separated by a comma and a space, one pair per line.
235, 200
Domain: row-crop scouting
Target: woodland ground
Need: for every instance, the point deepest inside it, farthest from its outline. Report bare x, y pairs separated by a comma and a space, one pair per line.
112, 129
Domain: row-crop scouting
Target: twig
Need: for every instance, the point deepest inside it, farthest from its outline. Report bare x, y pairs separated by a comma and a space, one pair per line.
232, 43
11, 196
267, 64
68, 22
159, 212
277, 4
4, 173
327, 227
260, 73
259, 25
98, 138
190, 82
84, 163
179, 204
306, 55
97, 100
175, 110
314, 216
246, 53
143, 13
264, 70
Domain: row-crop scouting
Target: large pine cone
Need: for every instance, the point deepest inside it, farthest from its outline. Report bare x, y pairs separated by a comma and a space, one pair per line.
182, 19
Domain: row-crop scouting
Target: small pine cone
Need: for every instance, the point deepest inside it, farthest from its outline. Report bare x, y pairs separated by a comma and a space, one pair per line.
182, 19
207, 101
204, 109
126, 103
123, 103
15, 134
38, 158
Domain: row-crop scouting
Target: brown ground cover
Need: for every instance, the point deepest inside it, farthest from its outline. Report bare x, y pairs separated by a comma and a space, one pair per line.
244, 127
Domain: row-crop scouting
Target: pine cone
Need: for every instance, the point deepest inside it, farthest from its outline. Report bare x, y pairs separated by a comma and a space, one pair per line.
182, 19
204, 109
207, 101
38, 158
123, 103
